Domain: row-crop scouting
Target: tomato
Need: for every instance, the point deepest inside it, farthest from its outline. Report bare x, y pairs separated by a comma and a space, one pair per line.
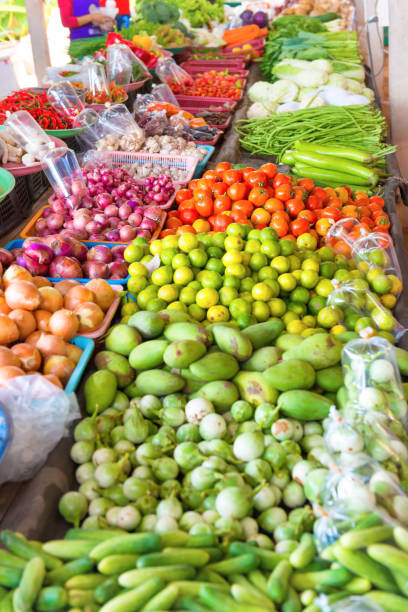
174, 223
237, 191
260, 215
240, 218
243, 206
221, 168
306, 183
186, 204
221, 204
173, 213
211, 175
367, 221
364, 211
183, 194
294, 206
377, 200
167, 232
185, 229
330, 212
299, 193
281, 214
299, 226
361, 200
205, 184
273, 204
323, 226
374, 206
349, 211
256, 179
279, 225
383, 222
281, 179
269, 169
219, 188
258, 196
205, 206
283, 192
321, 193
187, 217
309, 215
211, 221
221, 223
247, 171
313, 203
201, 192
193, 184
231, 176
335, 201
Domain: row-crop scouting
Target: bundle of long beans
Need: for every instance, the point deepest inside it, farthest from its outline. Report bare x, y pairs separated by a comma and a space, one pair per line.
360, 127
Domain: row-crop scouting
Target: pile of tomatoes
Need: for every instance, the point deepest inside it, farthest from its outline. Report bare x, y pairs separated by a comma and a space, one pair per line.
265, 198
212, 84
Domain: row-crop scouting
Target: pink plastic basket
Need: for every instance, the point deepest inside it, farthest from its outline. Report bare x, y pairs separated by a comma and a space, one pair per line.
107, 320
197, 70
223, 126
136, 84
203, 102
225, 64
257, 43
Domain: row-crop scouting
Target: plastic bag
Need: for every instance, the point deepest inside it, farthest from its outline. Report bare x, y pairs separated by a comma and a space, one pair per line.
163, 93
41, 414
172, 75
377, 261
154, 123
65, 99
96, 78
64, 174
120, 131
91, 131
350, 604
141, 104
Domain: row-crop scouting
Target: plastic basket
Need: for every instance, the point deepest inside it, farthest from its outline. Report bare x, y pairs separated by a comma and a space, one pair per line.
198, 102
136, 85
107, 320
7, 183
6, 432
197, 70
194, 110
201, 166
210, 142
15, 206
224, 64
87, 345
37, 184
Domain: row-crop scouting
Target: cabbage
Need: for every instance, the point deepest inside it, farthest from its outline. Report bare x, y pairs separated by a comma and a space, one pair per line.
261, 91
288, 106
368, 93
323, 65
350, 71
354, 86
305, 91
304, 64
302, 77
312, 100
311, 78
259, 110
284, 91
338, 80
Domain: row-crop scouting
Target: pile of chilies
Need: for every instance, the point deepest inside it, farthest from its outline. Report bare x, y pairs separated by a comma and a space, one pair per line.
37, 105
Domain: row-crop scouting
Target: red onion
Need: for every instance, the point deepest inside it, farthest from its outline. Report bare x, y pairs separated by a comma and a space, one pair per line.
79, 250
117, 251
92, 227
59, 245
92, 190
113, 236
78, 188
118, 270
69, 225
96, 238
32, 265
131, 194
48, 211
135, 219
41, 253
73, 201
142, 233
87, 202
65, 267
16, 252
55, 221
101, 219
41, 224
122, 188
114, 222
103, 200
111, 210
96, 269
107, 179
6, 257
148, 224
127, 233
153, 212
120, 225
100, 252
58, 207
139, 210
124, 211
77, 234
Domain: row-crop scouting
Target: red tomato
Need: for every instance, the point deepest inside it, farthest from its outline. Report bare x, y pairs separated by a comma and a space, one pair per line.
280, 225
193, 184
313, 203
201, 192
237, 191
221, 168
221, 223
221, 204
211, 221
269, 169
219, 188
188, 216
174, 223
299, 226
167, 232
258, 196
205, 206
247, 171
231, 176
331, 212
306, 183
173, 213
321, 193
294, 206
382, 222
185, 229
183, 194
205, 184
243, 207
281, 179
210, 174
377, 200
283, 192
186, 204
273, 204
257, 179
309, 215
367, 221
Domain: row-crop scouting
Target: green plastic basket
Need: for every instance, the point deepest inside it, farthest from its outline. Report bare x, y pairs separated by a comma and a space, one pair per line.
7, 183
64, 133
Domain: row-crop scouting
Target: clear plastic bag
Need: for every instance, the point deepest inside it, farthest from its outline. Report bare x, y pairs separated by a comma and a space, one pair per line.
163, 93
377, 261
141, 104
96, 79
350, 604
154, 123
172, 75
91, 131
65, 176
118, 64
41, 414
65, 99
120, 131
28, 134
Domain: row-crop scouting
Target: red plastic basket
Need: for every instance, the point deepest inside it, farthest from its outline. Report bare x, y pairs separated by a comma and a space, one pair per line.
257, 43
203, 102
210, 142
225, 64
197, 70
223, 126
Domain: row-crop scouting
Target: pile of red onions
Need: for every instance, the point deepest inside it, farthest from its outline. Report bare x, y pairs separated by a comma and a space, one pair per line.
60, 256
116, 208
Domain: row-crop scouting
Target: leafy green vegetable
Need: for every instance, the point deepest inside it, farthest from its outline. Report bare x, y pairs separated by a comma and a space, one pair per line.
79, 47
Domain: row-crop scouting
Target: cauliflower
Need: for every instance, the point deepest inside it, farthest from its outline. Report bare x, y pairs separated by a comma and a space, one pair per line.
257, 110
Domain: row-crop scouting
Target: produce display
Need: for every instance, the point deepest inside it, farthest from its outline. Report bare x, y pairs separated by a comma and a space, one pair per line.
39, 107
243, 442
11, 152
116, 94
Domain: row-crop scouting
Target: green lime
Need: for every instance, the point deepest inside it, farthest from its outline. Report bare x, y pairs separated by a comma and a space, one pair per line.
384, 319
135, 284
329, 316
268, 233
187, 295
234, 242
167, 255
327, 269
262, 292
238, 270
227, 295
378, 257
180, 260
267, 272
381, 284
326, 253
271, 248
177, 306
162, 276
232, 281
195, 284
309, 278
204, 240
195, 311
146, 295
316, 303
183, 275
294, 262
247, 283
364, 322
215, 265
215, 251
280, 264
300, 294
235, 229
260, 311
258, 261
287, 246
341, 262
277, 307
129, 308
254, 234
274, 285
287, 281
211, 279
168, 293
239, 307
245, 320
218, 314
218, 239
156, 304
198, 257
141, 241
253, 246
350, 320
306, 241
342, 275
133, 252
187, 242
207, 297
146, 258
298, 307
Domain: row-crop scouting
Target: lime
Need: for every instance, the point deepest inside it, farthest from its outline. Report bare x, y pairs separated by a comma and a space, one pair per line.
247, 296
363, 323
329, 316
327, 269
195, 311
381, 284
342, 275
388, 300
396, 284
287, 246
135, 284
372, 273
297, 274
235, 229
156, 304
262, 292
252, 246
145, 295
141, 241
177, 306
170, 242
183, 275
296, 327
227, 295
215, 265
260, 311
271, 248
155, 247
309, 321
207, 297
287, 282
338, 329
310, 264
288, 317
198, 257
188, 295
384, 319
280, 264
306, 241
267, 272
350, 320
133, 252
168, 293
378, 257
218, 314
166, 256
209, 278
215, 251
324, 287
268, 233
232, 257
137, 269
218, 239
246, 258
162, 276
298, 307
245, 320
129, 308
258, 261
247, 283
234, 242
300, 294
274, 285
232, 281
387, 336
187, 242
204, 240
316, 303
238, 270
146, 258
254, 234
239, 307
277, 307
355, 274
179, 260
341, 262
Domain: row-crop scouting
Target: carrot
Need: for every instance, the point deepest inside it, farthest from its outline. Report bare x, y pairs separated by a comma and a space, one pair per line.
238, 34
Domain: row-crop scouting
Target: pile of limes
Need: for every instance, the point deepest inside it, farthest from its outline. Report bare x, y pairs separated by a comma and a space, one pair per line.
249, 276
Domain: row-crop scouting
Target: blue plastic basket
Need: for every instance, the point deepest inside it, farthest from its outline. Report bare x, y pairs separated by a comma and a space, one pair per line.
6, 432
18, 243
87, 345
201, 166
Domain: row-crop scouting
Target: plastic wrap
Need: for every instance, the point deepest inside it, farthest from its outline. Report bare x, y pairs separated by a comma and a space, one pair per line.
41, 414
97, 81
122, 65
65, 100
64, 174
120, 131
350, 604
377, 261
172, 75
163, 93
91, 131
28, 134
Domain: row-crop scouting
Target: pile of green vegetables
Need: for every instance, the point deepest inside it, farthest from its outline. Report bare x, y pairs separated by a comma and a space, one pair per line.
80, 47
197, 12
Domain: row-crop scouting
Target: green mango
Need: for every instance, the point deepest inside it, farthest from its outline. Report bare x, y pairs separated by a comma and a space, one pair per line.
215, 365
254, 389
120, 401
262, 359
263, 334
148, 324
291, 374
132, 390
232, 324
192, 386
320, 350
118, 364
100, 391
304, 405
233, 342
346, 336
148, 355
159, 382
188, 331
285, 342
221, 393
405, 390
122, 339
402, 360
182, 353
174, 316
330, 379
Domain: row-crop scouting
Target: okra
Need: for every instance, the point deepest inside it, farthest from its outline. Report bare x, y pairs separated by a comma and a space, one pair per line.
136, 543
169, 573
10, 576
10, 560
25, 549
361, 564
391, 557
78, 598
6, 604
30, 584
267, 558
116, 564
98, 535
311, 580
107, 590
69, 549
388, 601
358, 586
304, 553
164, 600
85, 581
135, 598
51, 598
67, 571
400, 537
172, 556
239, 565
292, 603
364, 537
278, 583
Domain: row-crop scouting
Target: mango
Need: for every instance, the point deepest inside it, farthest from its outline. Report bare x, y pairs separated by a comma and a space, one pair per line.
233, 342
148, 355
320, 350
304, 405
159, 382
342, 397
291, 374
402, 360
221, 393
346, 336
262, 359
263, 334
187, 331
254, 389
100, 391
122, 339
330, 379
192, 386
215, 366
132, 390
288, 341
174, 316
149, 324
118, 364
231, 324
181, 353
120, 401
